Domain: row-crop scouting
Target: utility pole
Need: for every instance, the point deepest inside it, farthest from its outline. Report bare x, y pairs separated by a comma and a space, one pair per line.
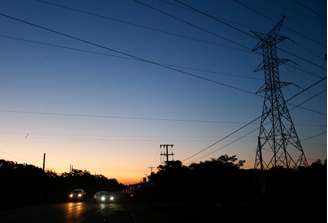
278, 142
151, 170
166, 153
44, 162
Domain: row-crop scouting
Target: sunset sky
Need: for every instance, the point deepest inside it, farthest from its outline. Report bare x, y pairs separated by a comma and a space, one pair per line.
81, 108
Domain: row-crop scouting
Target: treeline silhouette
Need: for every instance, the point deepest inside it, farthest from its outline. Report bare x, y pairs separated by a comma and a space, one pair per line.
220, 185
277, 193
24, 184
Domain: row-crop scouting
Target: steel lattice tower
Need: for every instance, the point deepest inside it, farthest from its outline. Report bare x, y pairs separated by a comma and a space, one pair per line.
278, 142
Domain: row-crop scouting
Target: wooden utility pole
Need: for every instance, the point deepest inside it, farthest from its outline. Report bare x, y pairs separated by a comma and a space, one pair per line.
166, 153
151, 169
44, 162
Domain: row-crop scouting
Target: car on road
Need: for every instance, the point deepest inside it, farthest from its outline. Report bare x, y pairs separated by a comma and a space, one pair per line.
77, 195
104, 197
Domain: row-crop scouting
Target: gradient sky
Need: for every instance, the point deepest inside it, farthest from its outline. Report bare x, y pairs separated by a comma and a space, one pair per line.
36, 78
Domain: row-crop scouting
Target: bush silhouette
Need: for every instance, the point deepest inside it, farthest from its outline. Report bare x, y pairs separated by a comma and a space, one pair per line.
23, 184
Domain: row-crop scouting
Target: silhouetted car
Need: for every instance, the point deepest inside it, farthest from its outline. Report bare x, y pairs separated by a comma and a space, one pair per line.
104, 196
77, 195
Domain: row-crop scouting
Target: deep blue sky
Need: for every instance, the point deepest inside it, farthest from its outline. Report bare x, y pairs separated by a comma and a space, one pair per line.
45, 79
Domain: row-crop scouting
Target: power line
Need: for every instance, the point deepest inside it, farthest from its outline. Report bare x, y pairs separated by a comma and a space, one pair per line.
140, 26
252, 131
94, 14
112, 55
314, 136
257, 12
311, 110
126, 54
215, 72
224, 19
302, 58
223, 138
306, 89
304, 71
219, 20
314, 111
314, 12
111, 139
193, 25
127, 58
94, 44
308, 99
137, 58
255, 119
81, 115
48, 44
313, 53
288, 28
230, 143
95, 116
249, 133
166, 154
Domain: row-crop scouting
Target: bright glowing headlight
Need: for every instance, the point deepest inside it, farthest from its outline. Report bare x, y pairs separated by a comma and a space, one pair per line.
70, 195
102, 198
111, 198
79, 195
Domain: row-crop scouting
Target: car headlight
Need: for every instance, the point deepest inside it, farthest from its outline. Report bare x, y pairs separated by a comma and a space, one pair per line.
79, 195
70, 195
111, 198
102, 198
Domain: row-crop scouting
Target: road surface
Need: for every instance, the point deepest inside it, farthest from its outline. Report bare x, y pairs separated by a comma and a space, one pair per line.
71, 212
88, 212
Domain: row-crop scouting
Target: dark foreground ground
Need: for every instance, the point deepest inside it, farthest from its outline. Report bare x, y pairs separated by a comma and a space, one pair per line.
88, 212
69, 212
212, 191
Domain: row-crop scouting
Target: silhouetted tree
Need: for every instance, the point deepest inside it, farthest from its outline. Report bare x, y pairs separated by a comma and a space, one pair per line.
22, 184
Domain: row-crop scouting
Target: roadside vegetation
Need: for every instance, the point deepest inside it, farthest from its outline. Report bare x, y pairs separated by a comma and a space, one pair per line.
24, 184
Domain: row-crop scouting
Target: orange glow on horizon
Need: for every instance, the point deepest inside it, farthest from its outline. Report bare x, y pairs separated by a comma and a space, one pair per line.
119, 160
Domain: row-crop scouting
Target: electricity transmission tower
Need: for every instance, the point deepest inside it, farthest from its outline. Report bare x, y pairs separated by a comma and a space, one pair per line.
166, 153
278, 142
